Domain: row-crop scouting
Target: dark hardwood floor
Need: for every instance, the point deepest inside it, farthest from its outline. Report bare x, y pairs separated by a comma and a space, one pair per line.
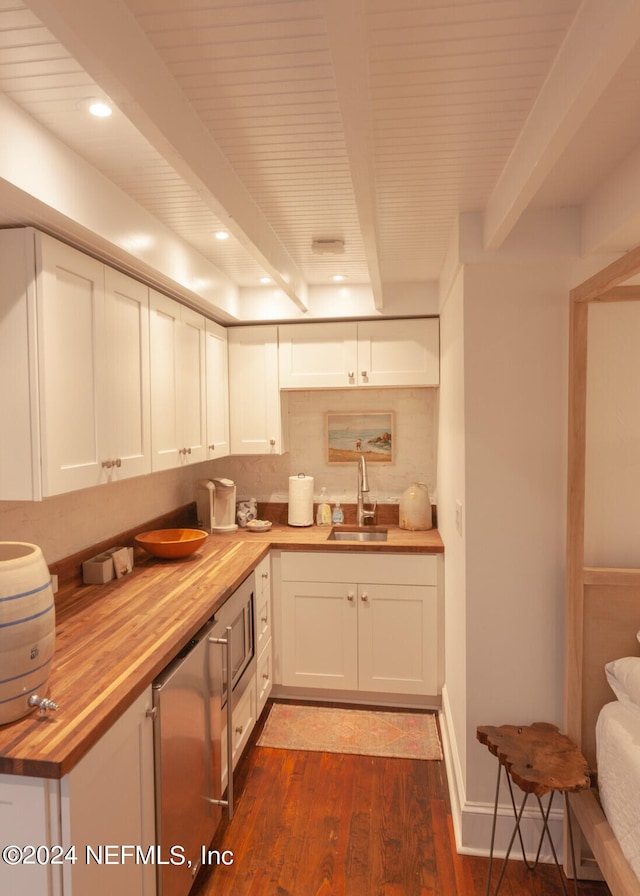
323, 824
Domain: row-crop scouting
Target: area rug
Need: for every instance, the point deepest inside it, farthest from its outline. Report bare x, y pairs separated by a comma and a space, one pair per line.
402, 735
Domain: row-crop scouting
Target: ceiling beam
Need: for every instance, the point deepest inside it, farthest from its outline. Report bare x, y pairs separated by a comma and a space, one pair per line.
598, 42
347, 34
611, 215
108, 43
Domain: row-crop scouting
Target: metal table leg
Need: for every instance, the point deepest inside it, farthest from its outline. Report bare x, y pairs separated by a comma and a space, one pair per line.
544, 814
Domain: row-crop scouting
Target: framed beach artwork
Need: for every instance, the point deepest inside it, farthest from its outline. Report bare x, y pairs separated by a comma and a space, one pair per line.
350, 435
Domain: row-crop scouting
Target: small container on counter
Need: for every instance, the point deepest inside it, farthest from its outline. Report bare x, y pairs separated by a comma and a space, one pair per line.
323, 513
337, 517
415, 508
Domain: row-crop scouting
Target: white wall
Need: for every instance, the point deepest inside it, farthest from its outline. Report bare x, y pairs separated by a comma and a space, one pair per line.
612, 494
451, 489
502, 453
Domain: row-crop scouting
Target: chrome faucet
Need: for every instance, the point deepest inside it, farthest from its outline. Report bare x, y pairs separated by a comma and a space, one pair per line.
363, 515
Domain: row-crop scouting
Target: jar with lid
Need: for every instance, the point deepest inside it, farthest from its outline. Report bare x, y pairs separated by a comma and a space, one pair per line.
415, 508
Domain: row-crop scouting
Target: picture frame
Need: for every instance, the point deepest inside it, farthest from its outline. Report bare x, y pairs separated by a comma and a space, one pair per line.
352, 434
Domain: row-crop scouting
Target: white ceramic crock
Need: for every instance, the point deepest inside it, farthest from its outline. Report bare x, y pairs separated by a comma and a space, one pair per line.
415, 508
27, 627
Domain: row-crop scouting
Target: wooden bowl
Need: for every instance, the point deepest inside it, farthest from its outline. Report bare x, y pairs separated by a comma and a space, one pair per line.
170, 544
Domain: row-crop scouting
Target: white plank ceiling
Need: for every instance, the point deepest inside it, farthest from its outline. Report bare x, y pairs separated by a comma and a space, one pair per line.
373, 122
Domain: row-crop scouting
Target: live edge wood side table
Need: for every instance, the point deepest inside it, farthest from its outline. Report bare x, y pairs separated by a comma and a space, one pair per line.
539, 760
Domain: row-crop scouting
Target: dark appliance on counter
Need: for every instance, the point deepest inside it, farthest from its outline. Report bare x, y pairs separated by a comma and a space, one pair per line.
193, 722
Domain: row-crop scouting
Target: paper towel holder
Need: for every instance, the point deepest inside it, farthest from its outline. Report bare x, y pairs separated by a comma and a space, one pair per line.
300, 512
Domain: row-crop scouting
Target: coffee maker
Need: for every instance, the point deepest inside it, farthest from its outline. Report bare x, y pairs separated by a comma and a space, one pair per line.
216, 505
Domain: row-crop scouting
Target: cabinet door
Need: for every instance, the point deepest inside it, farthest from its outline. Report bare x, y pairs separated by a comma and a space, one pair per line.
125, 424
216, 357
70, 310
317, 356
399, 352
178, 396
20, 473
254, 392
320, 635
398, 638
108, 800
30, 817
192, 387
165, 421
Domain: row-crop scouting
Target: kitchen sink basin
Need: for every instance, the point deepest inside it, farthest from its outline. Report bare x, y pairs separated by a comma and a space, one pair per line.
357, 533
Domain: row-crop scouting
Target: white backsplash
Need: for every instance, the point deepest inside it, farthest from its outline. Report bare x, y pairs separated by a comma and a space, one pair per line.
65, 524
416, 414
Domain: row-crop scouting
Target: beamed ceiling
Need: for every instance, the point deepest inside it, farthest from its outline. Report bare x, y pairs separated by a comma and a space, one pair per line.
374, 123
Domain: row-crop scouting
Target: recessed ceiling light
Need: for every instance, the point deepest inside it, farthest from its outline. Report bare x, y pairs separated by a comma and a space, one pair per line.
222, 235
338, 277
266, 280
99, 108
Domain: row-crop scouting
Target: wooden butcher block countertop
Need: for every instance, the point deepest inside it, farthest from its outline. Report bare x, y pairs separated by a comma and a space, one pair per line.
112, 640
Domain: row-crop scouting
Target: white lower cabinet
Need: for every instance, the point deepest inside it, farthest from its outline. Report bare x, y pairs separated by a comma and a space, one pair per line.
96, 814
366, 623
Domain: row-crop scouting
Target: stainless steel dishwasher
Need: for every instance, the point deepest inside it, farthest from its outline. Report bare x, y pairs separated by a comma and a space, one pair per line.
191, 713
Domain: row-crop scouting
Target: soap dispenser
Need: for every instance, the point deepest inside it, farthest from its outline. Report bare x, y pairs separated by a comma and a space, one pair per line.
337, 517
323, 514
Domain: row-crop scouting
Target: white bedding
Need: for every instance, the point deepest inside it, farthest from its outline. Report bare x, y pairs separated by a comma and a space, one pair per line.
618, 754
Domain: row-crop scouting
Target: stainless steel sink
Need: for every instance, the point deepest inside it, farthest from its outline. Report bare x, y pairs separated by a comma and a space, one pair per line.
357, 533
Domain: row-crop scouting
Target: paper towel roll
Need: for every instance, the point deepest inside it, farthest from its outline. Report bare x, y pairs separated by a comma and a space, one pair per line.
300, 500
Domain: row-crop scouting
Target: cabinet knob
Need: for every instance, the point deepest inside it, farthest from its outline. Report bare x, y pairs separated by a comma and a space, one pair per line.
364, 597
107, 464
265, 575
239, 729
272, 442
265, 675
351, 596
264, 619
351, 374
117, 462
212, 447
363, 374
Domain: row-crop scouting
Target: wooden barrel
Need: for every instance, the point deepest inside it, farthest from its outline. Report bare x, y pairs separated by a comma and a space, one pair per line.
27, 627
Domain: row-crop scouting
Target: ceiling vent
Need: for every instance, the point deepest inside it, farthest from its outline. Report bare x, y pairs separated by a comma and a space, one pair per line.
328, 247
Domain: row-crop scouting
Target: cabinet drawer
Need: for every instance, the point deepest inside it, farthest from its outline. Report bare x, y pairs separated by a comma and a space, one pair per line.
264, 677
382, 569
244, 718
263, 621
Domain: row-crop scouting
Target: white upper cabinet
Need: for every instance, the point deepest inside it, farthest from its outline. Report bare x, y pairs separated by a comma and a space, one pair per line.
70, 314
314, 356
178, 385
399, 352
367, 353
217, 388
74, 339
254, 392
126, 432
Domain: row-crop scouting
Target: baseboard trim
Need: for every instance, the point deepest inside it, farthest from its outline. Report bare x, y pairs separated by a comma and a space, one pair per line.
366, 698
472, 821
